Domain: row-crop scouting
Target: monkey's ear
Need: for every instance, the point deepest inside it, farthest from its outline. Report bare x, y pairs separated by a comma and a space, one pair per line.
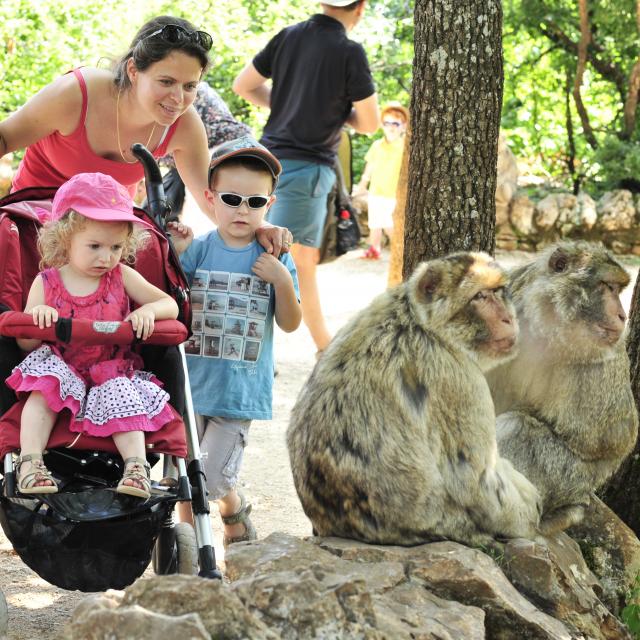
559, 261
429, 283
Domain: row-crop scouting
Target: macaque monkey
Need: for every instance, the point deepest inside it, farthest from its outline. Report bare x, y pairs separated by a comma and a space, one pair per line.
566, 414
392, 439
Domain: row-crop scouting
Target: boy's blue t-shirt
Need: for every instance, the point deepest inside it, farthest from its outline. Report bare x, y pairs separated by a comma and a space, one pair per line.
230, 355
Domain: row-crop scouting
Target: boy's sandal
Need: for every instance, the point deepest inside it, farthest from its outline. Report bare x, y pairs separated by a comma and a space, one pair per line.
240, 517
28, 483
139, 471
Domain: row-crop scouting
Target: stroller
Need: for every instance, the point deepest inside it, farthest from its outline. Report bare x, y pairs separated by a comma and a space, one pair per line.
87, 536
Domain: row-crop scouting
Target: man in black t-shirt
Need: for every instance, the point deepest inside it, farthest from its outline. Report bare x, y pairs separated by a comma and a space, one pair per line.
320, 81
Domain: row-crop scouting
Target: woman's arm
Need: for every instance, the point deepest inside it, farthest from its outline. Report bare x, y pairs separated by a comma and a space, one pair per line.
56, 107
191, 155
154, 303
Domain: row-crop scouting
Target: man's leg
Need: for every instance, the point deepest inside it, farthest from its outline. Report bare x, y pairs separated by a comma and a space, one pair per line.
306, 259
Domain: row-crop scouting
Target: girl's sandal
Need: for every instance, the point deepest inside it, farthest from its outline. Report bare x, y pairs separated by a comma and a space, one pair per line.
28, 483
139, 471
240, 516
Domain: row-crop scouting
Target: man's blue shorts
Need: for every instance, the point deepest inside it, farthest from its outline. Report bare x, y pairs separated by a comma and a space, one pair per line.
301, 203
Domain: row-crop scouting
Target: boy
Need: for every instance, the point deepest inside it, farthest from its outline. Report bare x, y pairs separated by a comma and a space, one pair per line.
242, 289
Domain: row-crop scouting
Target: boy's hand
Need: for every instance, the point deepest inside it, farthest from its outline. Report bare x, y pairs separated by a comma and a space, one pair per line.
43, 315
142, 320
270, 269
181, 236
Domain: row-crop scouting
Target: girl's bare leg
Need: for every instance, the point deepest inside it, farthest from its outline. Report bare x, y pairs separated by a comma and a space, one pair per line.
130, 444
36, 424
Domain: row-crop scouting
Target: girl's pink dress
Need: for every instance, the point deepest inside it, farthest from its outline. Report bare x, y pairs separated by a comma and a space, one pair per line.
101, 385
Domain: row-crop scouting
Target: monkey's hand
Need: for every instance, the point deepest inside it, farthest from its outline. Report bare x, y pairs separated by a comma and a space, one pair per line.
519, 500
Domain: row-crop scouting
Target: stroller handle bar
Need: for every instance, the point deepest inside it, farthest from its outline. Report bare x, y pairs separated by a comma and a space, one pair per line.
156, 199
15, 324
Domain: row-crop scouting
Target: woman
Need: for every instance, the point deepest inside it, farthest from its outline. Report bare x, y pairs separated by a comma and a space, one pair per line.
87, 120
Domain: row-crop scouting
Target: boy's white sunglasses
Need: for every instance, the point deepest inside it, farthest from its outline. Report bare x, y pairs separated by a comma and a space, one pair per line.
234, 200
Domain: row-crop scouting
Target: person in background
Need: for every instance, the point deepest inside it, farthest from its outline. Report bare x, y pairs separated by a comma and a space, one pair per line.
308, 111
381, 174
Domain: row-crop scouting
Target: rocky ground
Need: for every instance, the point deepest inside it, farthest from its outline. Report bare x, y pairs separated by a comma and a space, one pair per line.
38, 611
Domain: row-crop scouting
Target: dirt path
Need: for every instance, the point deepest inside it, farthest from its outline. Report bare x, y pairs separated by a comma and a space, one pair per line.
37, 611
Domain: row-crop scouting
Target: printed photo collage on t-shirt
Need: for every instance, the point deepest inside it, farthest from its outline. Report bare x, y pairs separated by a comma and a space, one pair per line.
229, 313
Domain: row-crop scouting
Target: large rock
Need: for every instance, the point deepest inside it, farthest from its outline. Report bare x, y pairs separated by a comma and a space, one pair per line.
612, 551
522, 210
616, 210
547, 212
284, 587
554, 576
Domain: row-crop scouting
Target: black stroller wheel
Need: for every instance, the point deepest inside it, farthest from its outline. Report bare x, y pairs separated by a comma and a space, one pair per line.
176, 551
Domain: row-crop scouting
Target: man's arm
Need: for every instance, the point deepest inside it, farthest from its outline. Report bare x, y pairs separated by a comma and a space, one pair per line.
253, 87
365, 117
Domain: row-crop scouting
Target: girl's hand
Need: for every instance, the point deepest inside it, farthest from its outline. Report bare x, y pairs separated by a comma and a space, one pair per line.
43, 315
275, 240
142, 320
270, 269
181, 236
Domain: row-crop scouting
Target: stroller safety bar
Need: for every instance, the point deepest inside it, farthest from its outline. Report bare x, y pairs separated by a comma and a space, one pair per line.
15, 324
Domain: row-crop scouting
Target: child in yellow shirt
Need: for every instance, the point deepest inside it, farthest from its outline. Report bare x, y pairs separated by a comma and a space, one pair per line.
381, 173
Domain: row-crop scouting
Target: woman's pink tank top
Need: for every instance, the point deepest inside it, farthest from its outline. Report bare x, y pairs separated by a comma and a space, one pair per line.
53, 160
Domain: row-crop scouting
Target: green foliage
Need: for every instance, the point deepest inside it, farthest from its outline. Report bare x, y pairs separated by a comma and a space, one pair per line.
631, 613
540, 48
616, 159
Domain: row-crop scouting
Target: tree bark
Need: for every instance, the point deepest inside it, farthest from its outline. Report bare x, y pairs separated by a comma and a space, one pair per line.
622, 490
397, 237
455, 113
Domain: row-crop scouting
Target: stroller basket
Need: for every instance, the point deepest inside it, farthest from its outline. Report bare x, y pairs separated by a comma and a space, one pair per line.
90, 556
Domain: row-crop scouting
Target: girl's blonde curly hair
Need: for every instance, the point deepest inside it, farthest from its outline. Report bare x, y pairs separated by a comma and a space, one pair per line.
54, 239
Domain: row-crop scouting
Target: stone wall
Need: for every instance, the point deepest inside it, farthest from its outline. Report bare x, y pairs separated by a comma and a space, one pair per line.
531, 224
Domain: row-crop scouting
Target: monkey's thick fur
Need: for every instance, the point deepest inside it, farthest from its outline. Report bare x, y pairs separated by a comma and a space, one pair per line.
571, 418
392, 439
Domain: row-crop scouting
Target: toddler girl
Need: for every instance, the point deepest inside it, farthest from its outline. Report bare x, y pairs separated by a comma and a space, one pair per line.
90, 230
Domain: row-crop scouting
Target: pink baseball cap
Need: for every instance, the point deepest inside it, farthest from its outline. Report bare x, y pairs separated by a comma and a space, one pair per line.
96, 196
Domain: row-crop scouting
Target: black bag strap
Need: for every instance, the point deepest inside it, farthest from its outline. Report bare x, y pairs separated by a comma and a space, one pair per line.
342, 196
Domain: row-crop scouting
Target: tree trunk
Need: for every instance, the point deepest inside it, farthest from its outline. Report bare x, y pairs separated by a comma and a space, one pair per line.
397, 237
622, 490
455, 116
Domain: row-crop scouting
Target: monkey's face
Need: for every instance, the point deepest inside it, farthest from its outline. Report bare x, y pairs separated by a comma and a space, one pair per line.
576, 297
464, 298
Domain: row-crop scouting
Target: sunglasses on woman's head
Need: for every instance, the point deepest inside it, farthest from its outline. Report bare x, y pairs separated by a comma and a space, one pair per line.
234, 200
175, 34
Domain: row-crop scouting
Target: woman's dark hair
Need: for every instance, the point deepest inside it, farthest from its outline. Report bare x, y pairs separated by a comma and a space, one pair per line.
145, 50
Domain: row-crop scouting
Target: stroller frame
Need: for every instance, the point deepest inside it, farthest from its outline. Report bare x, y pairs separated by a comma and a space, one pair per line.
190, 481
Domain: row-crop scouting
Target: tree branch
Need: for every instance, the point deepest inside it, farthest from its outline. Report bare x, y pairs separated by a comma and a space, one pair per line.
631, 103
583, 46
606, 68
